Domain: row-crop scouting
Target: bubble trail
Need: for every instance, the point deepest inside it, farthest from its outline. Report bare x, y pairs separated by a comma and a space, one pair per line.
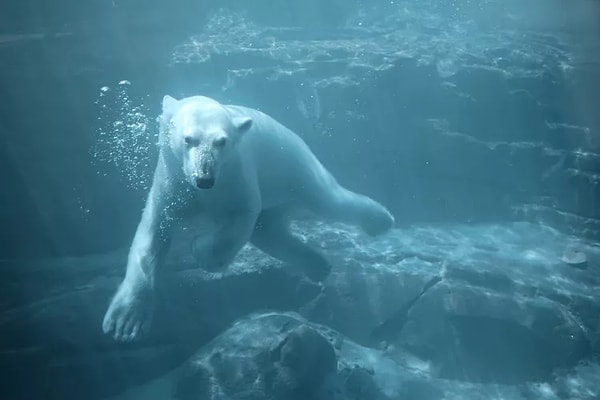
126, 136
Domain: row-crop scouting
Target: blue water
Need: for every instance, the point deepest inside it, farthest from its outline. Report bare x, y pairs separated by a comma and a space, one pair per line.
475, 123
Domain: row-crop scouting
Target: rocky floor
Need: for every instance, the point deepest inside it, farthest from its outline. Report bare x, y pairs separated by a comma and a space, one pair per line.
507, 311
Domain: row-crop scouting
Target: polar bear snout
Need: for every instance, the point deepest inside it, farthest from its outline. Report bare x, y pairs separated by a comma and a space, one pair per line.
204, 167
204, 177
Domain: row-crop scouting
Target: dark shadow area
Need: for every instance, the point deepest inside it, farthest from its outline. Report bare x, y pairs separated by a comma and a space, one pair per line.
490, 350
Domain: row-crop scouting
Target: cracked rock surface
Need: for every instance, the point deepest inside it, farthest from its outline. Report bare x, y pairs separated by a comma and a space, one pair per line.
495, 303
502, 311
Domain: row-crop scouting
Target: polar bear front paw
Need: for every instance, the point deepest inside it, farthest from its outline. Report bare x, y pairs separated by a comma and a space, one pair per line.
130, 312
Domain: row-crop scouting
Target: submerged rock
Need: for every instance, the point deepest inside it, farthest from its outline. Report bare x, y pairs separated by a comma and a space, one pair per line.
272, 356
434, 313
574, 257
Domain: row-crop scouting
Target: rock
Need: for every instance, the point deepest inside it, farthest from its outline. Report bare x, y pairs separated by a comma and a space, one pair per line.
50, 324
307, 357
242, 363
481, 304
574, 257
247, 362
266, 356
455, 311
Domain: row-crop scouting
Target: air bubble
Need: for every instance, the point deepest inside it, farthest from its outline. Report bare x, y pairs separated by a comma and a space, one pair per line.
125, 136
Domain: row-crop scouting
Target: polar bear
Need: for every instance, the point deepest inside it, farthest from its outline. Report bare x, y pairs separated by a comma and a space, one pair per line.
244, 171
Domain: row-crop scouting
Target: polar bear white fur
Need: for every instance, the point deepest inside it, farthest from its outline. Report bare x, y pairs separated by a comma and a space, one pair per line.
245, 171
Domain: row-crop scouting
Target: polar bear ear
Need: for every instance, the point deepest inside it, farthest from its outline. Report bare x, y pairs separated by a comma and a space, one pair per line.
242, 124
169, 104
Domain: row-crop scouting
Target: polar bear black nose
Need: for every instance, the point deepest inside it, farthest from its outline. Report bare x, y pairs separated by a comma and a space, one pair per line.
205, 182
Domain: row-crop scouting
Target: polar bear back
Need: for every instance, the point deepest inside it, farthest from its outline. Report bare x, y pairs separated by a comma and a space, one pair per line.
283, 162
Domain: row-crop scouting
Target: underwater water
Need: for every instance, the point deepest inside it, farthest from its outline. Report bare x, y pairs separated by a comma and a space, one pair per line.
475, 123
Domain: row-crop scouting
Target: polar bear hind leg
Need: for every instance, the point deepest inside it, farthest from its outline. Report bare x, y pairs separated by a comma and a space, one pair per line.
327, 198
273, 236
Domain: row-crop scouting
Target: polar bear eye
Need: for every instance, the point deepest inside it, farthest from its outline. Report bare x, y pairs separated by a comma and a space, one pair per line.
188, 140
220, 142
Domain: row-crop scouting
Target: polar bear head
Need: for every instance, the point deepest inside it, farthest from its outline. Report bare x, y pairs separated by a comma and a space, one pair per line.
202, 136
